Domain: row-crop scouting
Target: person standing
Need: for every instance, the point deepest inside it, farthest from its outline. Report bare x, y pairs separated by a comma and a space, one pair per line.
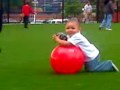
1, 21
87, 12
108, 12
1, 16
26, 11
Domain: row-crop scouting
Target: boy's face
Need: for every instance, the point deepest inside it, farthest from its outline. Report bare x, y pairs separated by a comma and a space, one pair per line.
71, 28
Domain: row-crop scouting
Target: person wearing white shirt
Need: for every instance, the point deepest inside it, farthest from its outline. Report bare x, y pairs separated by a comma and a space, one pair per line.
87, 12
74, 37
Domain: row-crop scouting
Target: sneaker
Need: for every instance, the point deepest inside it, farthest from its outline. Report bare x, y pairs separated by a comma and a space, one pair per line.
115, 68
108, 29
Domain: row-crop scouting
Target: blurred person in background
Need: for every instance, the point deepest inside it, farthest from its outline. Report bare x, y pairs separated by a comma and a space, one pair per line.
26, 11
1, 23
108, 12
1, 15
87, 11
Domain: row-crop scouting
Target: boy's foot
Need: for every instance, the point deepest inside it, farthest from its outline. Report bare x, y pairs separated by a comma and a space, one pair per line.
115, 68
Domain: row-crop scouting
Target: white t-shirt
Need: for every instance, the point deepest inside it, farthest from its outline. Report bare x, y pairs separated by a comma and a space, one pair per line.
89, 49
87, 8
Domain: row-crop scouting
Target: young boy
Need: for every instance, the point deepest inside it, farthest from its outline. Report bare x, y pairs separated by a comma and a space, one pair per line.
92, 62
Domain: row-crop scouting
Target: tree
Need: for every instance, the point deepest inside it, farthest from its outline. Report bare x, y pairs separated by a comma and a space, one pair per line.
73, 7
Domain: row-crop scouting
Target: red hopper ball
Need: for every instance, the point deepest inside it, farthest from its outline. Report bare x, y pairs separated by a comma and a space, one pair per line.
67, 59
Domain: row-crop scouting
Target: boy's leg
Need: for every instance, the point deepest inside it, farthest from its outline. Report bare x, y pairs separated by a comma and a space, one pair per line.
104, 66
97, 66
90, 66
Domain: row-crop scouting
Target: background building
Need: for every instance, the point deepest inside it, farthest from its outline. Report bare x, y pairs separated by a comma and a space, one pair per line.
50, 6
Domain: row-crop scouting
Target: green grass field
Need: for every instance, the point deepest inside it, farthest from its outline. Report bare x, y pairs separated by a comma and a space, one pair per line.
24, 60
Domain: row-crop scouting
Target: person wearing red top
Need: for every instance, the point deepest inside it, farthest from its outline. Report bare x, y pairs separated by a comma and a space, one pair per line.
26, 11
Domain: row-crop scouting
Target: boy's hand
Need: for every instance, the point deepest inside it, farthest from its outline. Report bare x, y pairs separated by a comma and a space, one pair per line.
61, 39
55, 37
